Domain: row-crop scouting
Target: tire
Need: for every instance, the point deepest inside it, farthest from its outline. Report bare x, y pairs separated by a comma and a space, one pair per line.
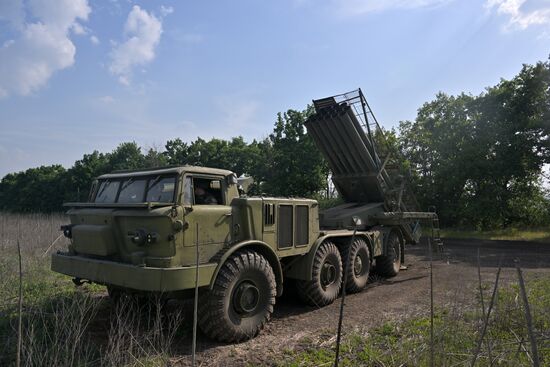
358, 267
241, 300
389, 265
326, 280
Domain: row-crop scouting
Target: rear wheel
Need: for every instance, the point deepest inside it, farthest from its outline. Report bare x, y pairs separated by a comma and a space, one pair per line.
358, 268
326, 275
389, 265
241, 300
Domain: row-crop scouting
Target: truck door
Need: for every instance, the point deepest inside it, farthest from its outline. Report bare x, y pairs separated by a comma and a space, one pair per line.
206, 203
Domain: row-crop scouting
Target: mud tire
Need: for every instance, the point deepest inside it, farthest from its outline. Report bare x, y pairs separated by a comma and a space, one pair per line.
388, 265
358, 267
326, 280
241, 300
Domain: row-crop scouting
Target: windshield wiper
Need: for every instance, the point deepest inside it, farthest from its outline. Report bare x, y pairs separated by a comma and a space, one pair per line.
127, 183
152, 183
106, 183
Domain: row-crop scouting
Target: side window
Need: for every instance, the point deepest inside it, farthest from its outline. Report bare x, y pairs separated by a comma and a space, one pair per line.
187, 191
207, 191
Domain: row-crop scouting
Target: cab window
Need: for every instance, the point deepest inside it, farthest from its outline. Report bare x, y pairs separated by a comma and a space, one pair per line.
106, 193
207, 191
132, 191
161, 189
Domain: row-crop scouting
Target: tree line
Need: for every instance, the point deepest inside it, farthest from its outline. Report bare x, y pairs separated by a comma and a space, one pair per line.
479, 159
287, 163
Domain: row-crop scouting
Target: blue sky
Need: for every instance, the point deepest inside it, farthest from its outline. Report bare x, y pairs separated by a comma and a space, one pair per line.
79, 75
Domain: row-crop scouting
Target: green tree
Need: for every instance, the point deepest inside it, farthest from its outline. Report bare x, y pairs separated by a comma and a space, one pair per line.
176, 151
438, 145
34, 190
296, 167
479, 159
126, 156
154, 159
81, 175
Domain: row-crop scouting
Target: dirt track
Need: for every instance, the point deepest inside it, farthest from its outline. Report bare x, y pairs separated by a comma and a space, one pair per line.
455, 279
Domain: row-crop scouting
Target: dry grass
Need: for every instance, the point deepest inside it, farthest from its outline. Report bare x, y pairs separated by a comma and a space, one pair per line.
66, 326
508, 234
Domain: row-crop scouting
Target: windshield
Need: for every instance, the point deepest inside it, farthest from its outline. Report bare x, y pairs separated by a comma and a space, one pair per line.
107, 191
159, 188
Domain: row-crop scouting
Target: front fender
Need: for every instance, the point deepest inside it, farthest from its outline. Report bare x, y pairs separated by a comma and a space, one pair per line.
260, 247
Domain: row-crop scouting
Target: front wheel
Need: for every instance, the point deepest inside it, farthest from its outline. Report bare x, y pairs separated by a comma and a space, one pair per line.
241, 300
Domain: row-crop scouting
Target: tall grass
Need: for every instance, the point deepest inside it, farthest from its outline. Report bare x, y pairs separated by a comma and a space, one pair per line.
66, 326
506, 234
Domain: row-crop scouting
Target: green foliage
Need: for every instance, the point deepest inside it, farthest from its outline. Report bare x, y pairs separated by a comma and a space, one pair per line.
297, 168
479, 158
36, 189
506, 234
235, 154
287, 163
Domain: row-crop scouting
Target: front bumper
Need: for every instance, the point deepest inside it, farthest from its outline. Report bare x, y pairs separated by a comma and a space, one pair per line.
132, 276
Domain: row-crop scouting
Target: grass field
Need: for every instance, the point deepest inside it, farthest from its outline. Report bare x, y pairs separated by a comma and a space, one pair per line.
66, 326
456, 334
508, 234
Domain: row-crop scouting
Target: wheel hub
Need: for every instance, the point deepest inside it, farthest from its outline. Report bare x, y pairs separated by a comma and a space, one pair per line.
357, 265
328, 274
246, 298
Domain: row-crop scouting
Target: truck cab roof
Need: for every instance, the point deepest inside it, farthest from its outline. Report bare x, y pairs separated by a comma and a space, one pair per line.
166, 170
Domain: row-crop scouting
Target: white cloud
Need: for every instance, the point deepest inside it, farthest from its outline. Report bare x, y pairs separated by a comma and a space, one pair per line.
522, 13
359, 7
94, 40
41, 47
78, 29
165, 10
60, 14
142, 32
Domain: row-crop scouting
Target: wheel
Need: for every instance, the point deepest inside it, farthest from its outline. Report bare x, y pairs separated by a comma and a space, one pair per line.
358, 266
326, 280
241, 300
389, 265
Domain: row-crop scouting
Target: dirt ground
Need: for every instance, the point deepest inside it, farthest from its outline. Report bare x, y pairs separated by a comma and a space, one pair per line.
455, 282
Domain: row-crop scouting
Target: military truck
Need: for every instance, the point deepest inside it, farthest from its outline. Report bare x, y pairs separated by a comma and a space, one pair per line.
150, 231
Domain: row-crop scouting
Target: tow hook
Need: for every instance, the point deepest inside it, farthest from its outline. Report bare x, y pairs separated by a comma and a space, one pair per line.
67, 230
